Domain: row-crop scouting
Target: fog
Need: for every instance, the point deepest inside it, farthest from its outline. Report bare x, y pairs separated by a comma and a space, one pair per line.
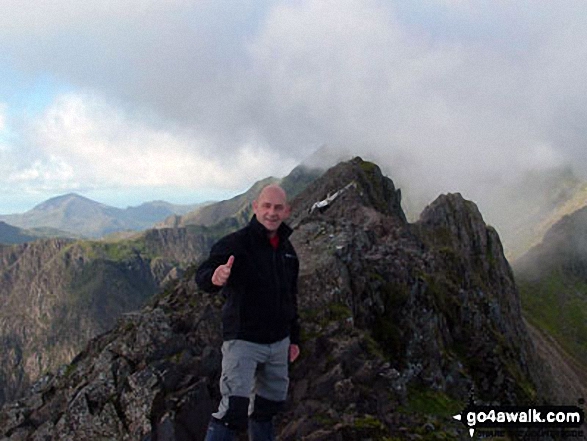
201, 98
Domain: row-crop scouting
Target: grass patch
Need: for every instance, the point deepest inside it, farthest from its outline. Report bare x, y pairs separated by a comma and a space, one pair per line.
557, 304
429, 402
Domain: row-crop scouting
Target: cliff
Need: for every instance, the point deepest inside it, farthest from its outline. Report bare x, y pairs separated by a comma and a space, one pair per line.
57, 294
401, 322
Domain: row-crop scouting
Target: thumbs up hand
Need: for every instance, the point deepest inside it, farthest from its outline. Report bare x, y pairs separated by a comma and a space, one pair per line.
222, 273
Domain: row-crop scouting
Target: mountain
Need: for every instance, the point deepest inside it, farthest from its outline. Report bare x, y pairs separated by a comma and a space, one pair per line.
571, 201
48, 292
237, 211
14, 235
10, 235
84, 217
56, 294
525, 209
401, 322
553, 283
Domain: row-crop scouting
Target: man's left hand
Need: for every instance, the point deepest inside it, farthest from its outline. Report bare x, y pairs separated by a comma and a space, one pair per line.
294, 352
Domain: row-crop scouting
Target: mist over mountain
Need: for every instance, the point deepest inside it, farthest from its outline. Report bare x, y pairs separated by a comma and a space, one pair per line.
81, 216
553, 283
521, 207
525, 209
238, 210
401, 322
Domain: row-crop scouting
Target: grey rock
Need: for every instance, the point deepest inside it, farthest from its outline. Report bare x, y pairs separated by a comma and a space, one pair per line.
393, 314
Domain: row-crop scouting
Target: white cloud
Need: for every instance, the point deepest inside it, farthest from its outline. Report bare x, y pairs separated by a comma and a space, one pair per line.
3, 107
86, 143
51, 174
215, 93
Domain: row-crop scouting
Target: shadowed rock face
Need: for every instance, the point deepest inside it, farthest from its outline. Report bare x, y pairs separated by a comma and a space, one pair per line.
56, 294
400, 323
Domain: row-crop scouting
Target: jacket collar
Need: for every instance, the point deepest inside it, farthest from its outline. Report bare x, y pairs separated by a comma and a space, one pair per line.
284, 231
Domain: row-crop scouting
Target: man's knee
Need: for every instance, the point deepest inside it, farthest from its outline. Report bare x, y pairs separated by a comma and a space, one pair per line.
265, 409
236, 417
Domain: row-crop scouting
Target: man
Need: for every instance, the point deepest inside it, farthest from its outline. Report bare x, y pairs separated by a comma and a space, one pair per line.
256, 268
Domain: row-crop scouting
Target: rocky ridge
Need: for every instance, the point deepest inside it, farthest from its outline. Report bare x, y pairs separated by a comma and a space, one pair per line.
56, 286
57, 294
401, 322
235, 212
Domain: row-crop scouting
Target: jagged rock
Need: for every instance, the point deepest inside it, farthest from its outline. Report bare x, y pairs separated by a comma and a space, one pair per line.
51, 287
393, 315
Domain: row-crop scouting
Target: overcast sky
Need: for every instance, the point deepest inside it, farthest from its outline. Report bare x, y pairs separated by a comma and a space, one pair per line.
188, 100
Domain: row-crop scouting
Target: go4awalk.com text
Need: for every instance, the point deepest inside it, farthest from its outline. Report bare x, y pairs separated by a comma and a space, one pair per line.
566, 421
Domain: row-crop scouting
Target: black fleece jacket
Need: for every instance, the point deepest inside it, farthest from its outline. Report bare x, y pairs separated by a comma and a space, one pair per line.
261, 292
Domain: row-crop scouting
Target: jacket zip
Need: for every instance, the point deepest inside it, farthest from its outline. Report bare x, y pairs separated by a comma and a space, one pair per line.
277, 307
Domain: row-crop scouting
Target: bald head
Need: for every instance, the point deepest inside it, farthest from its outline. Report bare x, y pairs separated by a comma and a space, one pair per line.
274, 190
271, 208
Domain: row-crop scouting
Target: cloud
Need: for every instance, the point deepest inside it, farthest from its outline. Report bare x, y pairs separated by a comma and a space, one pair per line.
448, 94
83, 142
2, 117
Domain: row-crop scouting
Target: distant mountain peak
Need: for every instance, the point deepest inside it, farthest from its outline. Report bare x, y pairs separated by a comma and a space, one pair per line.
60, 201
80, 216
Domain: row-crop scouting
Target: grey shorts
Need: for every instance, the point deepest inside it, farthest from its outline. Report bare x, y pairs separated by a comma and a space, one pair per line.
250, 369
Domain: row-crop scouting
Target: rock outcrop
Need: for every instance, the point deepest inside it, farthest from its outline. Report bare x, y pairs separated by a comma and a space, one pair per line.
401, 323
57, 294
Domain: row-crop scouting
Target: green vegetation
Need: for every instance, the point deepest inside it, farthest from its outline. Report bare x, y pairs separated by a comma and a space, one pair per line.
370, 426
369, 168
386, 331
429, 402
222, 228
339, 311
298, 180
334, 311
444, 291
434, 409
116, 251
324, 420
369, 422
558, 304
376, 192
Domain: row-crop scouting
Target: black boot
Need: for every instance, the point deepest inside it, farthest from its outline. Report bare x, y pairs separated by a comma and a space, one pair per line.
218, 432
261, 430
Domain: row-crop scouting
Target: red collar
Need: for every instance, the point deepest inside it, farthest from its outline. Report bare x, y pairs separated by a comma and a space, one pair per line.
274, 241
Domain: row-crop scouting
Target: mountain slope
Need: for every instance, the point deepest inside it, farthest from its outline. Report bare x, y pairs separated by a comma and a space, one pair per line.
400, 322
14, 235
83, 217
553, 283
526, 209
90, 291
52, 287
237, 211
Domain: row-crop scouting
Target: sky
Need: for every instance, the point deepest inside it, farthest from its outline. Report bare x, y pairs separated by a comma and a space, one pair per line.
193, 100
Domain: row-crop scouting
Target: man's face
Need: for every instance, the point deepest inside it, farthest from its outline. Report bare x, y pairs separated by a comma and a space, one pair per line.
271, 208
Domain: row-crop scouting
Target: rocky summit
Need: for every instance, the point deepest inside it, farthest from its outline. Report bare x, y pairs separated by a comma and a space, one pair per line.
402, 324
